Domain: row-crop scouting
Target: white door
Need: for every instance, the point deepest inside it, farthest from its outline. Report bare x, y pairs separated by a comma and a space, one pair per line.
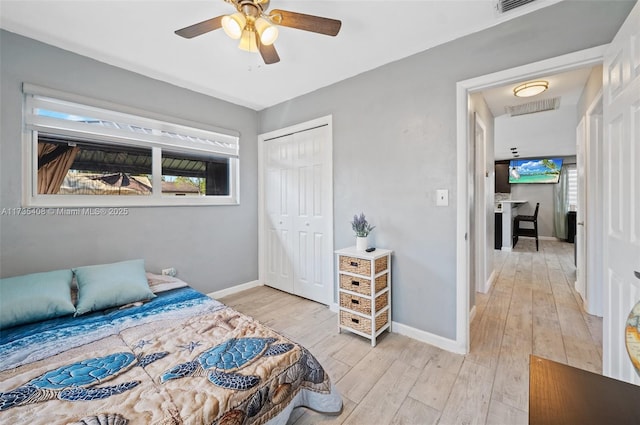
621, 103
278, 182
589, 216
581, 160
311, 252
593, 217
298, 213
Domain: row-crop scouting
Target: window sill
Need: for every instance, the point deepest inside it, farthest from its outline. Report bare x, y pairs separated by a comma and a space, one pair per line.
91, 201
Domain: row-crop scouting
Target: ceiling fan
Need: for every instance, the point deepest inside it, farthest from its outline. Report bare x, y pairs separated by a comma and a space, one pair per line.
257, 29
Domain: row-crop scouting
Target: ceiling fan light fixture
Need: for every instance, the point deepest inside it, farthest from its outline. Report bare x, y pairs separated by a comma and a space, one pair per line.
248, 41
531, 88
267, 32
257, 30
233, 25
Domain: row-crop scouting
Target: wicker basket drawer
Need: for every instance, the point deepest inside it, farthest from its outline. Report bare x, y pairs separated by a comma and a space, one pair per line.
361, 266
355, 284
355, 265
362, 304
362, 285
360, 323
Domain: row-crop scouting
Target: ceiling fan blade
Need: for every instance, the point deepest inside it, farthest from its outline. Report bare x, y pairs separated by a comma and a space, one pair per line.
301, 21
200, 28
268, 53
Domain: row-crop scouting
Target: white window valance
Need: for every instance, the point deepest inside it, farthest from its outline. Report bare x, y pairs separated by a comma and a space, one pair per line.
50, 111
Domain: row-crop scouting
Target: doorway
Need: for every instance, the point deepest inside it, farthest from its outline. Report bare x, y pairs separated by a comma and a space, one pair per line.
585, 58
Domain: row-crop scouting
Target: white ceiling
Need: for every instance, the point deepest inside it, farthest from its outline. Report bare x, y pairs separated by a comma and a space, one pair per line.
138, 35
567, 85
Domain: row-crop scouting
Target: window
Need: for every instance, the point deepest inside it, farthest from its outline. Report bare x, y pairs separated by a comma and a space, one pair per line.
83, 154
572, 185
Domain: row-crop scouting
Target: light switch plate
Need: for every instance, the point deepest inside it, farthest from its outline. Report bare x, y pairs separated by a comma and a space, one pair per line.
442, 197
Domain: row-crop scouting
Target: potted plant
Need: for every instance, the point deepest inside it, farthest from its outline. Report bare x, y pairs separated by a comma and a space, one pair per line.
362, 229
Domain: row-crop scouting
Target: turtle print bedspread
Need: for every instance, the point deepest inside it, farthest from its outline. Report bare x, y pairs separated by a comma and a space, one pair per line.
181, 358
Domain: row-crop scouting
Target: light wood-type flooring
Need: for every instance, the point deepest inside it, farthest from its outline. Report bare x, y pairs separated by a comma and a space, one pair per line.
532, 308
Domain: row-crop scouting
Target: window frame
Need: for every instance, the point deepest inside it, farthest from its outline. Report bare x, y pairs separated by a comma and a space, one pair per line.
572, 188
32, 125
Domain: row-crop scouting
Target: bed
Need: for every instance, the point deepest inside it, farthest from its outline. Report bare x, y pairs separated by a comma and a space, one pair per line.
176, 357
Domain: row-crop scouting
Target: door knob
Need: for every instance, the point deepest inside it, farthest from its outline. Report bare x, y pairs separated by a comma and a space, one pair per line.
580, 223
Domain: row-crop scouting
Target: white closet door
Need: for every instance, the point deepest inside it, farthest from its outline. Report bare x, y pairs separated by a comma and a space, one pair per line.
278, 184
311, 252
621, 102
299, 213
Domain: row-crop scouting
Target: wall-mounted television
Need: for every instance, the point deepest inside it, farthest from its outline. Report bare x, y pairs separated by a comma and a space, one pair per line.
536, 170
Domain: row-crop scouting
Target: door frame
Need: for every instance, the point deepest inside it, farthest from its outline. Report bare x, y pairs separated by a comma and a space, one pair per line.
580, 59
594, 213
264, 137
483, 282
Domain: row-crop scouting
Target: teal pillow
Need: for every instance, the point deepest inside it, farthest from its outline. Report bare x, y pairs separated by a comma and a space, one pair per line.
111, 285
34, 297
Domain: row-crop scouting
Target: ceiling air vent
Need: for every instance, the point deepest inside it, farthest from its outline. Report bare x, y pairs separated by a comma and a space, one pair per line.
507, 5
533, 107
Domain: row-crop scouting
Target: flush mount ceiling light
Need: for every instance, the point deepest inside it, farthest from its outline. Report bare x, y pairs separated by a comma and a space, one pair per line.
531, 88
257, 30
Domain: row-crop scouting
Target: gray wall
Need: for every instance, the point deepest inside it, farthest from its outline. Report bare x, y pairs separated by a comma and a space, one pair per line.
212, 247
395, 144
533, 193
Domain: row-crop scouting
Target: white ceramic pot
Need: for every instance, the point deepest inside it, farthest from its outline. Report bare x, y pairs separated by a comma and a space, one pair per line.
361, 243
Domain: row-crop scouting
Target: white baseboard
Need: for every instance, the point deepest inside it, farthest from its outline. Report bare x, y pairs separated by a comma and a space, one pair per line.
333, 307
489, 283
472, 314
234, 289
427, 337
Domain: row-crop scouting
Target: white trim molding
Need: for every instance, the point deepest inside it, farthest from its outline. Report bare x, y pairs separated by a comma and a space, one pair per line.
426, 337
472, 313
234, 289
488, 284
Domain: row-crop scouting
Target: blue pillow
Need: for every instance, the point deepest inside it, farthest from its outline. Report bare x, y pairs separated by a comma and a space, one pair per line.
34, 297
111, 285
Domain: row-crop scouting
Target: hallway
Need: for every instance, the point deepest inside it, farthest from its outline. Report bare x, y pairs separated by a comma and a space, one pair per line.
532, 308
